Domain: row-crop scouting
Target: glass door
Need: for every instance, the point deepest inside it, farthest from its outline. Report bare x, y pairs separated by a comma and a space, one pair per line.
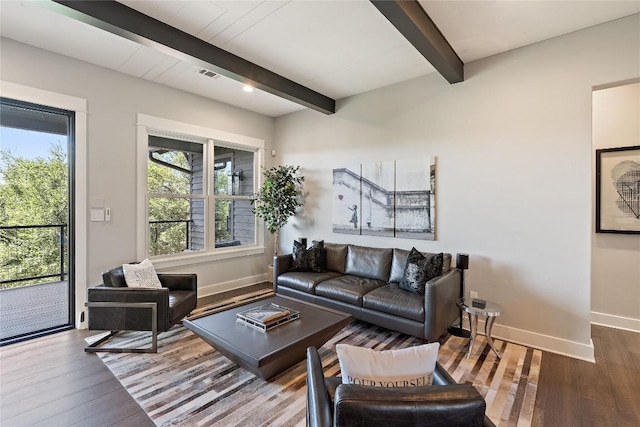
36, 226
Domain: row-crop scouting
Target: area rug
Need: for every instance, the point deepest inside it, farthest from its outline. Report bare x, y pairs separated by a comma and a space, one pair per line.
228, 303
189, 383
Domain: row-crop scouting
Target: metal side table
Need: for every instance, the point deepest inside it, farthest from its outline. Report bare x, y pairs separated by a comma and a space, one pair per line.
490, 311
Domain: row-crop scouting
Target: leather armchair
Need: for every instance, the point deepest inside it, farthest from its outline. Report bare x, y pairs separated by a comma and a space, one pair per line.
114, 306
444, 404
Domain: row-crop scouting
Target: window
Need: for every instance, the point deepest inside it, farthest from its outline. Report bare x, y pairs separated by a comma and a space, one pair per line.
198, 189
233, 187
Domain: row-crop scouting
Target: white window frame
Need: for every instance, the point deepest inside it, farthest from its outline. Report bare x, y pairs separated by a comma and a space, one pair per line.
151, 125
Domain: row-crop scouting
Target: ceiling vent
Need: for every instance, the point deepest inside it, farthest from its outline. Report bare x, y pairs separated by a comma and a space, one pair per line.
208, 73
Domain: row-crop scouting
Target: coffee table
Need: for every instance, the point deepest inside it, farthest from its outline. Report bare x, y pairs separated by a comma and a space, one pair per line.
266, 354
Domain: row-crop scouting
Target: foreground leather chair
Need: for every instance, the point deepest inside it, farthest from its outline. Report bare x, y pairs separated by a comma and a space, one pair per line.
444, 404
114, 306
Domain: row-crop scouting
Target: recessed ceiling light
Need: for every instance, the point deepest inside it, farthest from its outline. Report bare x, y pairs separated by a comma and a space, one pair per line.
247, 88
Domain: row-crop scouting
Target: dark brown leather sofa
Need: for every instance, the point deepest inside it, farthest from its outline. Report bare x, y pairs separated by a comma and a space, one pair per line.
363, 281
444, 404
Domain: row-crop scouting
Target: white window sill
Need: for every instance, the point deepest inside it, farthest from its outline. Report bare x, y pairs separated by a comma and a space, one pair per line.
179, 260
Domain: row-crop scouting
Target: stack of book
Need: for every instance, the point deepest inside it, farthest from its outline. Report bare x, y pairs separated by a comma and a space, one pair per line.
267, 316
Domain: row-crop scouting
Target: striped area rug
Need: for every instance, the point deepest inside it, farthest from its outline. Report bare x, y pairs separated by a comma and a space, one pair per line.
189, 383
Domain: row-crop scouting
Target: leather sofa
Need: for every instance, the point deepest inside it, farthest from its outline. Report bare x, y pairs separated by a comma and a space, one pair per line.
445, 403
363, 281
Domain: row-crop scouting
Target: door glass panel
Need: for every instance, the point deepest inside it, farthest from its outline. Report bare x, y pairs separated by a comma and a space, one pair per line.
35, 280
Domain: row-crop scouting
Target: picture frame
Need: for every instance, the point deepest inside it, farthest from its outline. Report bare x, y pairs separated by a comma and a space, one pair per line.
618, 190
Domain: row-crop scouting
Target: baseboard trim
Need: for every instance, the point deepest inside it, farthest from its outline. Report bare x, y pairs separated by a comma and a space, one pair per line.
617, 322
543, 342
231, 285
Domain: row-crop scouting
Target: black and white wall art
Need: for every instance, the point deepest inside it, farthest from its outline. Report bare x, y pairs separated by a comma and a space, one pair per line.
618, 190
386, 198
347, 190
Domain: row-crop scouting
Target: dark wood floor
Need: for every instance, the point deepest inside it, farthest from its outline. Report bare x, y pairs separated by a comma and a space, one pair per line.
51, 382
607, 393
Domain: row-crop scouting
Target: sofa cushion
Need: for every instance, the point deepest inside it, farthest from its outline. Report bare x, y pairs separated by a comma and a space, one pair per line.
304, 281
349, 289
400, 261
336, 256
392, 300
419, 270
372, 263
312, 259
404, 367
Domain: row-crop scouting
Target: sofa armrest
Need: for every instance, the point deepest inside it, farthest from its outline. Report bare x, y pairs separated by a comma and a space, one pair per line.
281, 264
318, 402
450, 406
127, 318
441, 376
440, 296
179, 281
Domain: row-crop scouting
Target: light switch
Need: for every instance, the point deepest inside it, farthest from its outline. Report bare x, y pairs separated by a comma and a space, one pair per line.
97, 215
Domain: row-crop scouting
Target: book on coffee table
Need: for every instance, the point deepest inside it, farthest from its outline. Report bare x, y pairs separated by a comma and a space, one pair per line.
267, 316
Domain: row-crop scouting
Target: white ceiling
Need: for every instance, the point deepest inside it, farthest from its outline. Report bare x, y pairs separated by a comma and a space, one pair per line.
337, 48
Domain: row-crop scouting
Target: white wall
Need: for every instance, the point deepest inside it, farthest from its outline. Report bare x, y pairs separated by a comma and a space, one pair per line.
615, 292
114, 100
513, 147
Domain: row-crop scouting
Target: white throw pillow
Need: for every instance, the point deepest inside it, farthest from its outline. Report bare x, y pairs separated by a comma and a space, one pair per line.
407, 367
141, 275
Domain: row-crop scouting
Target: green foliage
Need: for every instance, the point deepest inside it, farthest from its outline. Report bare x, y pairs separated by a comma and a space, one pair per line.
279, 197
168, 238
32, 192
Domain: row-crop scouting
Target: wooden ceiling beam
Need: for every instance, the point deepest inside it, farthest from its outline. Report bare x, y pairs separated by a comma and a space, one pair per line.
417, 27
123, 21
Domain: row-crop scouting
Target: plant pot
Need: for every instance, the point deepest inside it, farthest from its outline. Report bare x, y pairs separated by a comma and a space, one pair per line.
270, 273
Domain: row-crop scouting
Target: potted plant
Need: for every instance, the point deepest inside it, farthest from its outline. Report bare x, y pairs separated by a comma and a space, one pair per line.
278, 198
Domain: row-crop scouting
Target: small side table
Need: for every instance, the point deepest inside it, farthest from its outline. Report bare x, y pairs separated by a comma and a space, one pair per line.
490, 311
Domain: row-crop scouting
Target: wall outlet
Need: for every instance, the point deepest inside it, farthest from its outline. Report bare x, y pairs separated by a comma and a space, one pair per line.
473, 294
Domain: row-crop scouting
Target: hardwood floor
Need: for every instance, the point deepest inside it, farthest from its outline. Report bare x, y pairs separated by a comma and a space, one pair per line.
606, 393
51, 382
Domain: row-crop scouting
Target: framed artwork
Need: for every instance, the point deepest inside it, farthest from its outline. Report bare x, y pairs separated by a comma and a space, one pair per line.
386, 198
378, 209
618, 190
416, 198
347, 199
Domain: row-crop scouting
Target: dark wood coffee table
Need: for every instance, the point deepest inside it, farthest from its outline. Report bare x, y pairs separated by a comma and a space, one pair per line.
268, 353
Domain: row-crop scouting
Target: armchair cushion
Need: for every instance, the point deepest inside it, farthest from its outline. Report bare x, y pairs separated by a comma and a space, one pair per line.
141, 275
407, 367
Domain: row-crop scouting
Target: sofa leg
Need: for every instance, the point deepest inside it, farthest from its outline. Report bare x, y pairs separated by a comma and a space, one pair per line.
95, 347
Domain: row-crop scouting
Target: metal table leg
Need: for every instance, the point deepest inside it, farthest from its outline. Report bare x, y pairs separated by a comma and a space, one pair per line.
487, 332
473, 322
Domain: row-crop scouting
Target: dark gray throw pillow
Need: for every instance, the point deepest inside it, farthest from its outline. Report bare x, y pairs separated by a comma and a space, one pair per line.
312, 259
419, 270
